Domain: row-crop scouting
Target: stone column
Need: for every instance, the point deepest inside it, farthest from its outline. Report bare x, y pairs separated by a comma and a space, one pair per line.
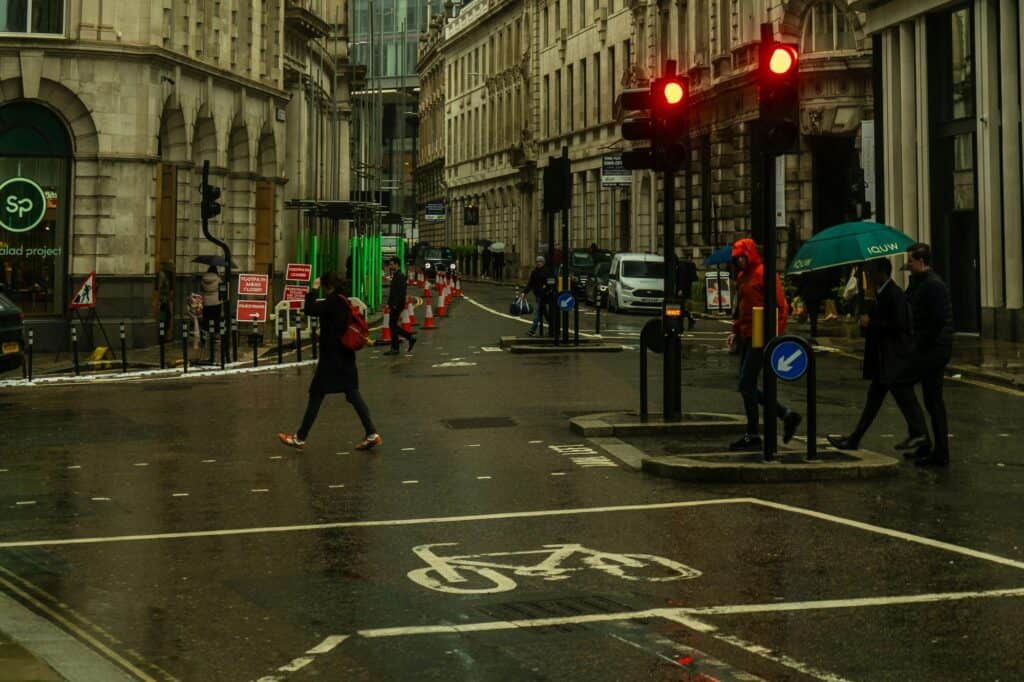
908, 138
1010, 31
921, 136
890, 124
990, 203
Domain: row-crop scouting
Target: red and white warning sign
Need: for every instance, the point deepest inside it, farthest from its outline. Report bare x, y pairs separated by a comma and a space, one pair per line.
246, 309
253, 285
85, 295
295, 295
298, 272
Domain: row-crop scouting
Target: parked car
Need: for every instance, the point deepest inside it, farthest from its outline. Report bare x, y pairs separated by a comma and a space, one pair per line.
433, 259
636, 281
11, 333
581, 267
596, 292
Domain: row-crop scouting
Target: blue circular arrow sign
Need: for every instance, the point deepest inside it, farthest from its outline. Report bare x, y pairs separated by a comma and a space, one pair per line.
789, 361
566, 301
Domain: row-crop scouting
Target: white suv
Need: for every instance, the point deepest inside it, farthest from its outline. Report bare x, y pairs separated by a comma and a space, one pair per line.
636, 281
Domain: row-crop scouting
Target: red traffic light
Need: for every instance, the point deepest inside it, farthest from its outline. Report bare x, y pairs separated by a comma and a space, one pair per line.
673, 92
669, 92
782, 60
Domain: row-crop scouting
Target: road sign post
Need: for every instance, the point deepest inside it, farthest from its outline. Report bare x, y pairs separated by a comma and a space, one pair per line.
790, 358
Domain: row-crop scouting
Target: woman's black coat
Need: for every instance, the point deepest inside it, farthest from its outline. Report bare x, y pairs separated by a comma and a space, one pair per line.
887, 339
336, 369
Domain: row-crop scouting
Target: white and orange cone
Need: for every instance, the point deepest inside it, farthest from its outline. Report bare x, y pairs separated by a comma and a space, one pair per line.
385, 336
404, 320
412, 313
428, 318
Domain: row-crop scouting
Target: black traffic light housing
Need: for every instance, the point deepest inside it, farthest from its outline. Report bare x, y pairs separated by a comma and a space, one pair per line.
210, 194
667, 101
779, 96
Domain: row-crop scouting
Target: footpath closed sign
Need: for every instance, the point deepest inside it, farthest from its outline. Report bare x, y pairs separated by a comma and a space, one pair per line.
298, 272
246, 309
253, 285
613, 173
295, 295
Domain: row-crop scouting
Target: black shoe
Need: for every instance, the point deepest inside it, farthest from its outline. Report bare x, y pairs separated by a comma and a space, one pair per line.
912, 443
843, 442
933, 459
412, 342
747, 442
789, 424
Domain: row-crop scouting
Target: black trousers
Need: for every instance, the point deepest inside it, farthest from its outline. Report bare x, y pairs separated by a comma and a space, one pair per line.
931, 373
397, 331
316, 399
905, 399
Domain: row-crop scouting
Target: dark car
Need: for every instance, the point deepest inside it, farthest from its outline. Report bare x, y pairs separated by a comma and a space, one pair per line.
581, 267
433, 259
11, 333
596, 291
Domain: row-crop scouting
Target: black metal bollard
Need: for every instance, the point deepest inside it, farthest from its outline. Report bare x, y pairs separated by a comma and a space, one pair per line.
597, 320
31, 343
255, 344
280, 345
162, 341
223, 345
184, 346
314, 337
643, 383
234, 340
576, 325
124, 351
298, 339
74, 348
211, 338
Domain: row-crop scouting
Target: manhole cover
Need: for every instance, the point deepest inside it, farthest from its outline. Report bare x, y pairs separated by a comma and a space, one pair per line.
479, 423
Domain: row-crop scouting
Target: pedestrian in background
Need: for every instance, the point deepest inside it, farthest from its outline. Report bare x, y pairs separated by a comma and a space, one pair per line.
814, 288
686, 275
751, 285
887, 348
336, 370
932, 314
538, 287
396, 304
210, 287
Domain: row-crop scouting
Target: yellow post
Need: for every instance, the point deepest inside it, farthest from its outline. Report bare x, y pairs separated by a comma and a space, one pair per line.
757, 331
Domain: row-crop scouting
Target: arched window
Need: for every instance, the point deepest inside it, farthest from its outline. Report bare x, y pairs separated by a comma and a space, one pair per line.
827, 28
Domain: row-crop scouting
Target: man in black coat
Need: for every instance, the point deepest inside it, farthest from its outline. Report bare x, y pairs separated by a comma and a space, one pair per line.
933, 344
396, 304
686, 275
887, 348
538, 286
336, 370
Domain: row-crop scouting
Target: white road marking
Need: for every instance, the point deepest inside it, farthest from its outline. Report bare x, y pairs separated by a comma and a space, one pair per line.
296, 665
483, 478
337, 485
473, 445
343, 453
408, 449
100, 499
1004, 435
454, 363
534, 442
24, 503
328, 645
595, 461
141, 464
781, 659
490, 349
558, 473
411, 482
276, 456
179, 494
260, 490
3, 471
75, 466
209, 461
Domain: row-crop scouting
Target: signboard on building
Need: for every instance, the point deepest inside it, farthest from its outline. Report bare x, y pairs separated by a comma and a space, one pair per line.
246, 309
295, 295
435, 211
613, 173
253, 285
22, 204
718, 294
298, 272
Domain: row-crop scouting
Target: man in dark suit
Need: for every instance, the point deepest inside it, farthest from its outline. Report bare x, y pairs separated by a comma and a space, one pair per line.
887, 353
396, 304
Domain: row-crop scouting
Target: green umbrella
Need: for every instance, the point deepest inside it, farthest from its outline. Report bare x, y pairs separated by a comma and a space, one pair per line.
848, 243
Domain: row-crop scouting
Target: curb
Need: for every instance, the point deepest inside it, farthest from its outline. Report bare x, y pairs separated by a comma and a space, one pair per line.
606, 424
548, 350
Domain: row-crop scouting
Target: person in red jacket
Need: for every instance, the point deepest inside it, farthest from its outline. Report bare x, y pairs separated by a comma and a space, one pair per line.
750, 282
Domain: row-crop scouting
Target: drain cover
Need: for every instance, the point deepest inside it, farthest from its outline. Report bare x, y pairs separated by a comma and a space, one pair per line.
479, 423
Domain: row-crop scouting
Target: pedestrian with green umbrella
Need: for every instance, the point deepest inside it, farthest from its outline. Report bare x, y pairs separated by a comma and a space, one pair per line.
847, 244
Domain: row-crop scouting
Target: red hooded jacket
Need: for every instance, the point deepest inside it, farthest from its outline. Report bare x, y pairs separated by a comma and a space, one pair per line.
751, 290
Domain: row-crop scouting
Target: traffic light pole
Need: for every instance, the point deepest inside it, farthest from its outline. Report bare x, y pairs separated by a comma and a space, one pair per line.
671, 380
770, 311
564, 265
225, 285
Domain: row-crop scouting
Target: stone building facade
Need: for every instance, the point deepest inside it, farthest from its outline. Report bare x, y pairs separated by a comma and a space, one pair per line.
949, 145
431, 189
133, 97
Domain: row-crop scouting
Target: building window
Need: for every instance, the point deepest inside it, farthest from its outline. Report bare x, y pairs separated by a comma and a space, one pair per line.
827, 29
32, 16
962, 92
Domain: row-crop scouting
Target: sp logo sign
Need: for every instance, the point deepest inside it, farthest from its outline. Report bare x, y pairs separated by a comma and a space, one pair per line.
22, 204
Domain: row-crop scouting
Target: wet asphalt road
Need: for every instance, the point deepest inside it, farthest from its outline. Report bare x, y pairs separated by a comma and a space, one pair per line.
203, 550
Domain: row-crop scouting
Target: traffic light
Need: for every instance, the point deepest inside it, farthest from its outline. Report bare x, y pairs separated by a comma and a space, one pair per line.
210, 195
471, 215
667, 101
778, 80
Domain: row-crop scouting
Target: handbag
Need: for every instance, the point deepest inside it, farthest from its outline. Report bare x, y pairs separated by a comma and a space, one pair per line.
520, 306
357, 332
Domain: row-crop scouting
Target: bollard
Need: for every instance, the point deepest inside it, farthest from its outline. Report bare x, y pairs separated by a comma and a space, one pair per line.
298, 339
211, 335
315, 340
280, 343
597, 320
576, 328
757, 329
74, 348
184, 347
234, 340
643, 382
255, 343
223, 346
163, 350
31, 343
124, 351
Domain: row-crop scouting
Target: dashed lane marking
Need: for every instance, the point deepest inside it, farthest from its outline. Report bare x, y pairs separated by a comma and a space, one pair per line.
260, 490
179, 494
337, 485
209, 461
483, 478
277, 457
535, 442
490, 349
409, 482
408, 449
25, 503
343, 453
473, 445
558, 473
74, 466
100, 499
328, 645
141, 464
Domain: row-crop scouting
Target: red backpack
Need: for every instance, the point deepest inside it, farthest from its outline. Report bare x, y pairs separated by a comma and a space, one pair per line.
357, 333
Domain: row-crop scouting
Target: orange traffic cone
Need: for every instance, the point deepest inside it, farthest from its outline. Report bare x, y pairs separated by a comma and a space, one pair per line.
442, 306
458, 287
412, 314
385, 336
404, 320
428, 318
426, 293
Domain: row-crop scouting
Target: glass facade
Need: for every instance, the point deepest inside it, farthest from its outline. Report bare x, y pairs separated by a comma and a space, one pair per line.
35, 158
32, 16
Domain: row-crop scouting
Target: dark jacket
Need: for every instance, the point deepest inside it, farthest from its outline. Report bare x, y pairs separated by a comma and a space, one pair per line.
686, 275
932, 313
397, 292
887, 343
815, 286
538, 282
336, 369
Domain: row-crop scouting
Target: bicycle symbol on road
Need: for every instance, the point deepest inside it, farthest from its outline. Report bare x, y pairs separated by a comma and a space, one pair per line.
487, 573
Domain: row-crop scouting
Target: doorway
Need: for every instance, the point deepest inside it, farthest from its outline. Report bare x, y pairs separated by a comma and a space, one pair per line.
835, 166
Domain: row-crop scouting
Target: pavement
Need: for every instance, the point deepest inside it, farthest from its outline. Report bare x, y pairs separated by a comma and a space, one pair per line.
159, 521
